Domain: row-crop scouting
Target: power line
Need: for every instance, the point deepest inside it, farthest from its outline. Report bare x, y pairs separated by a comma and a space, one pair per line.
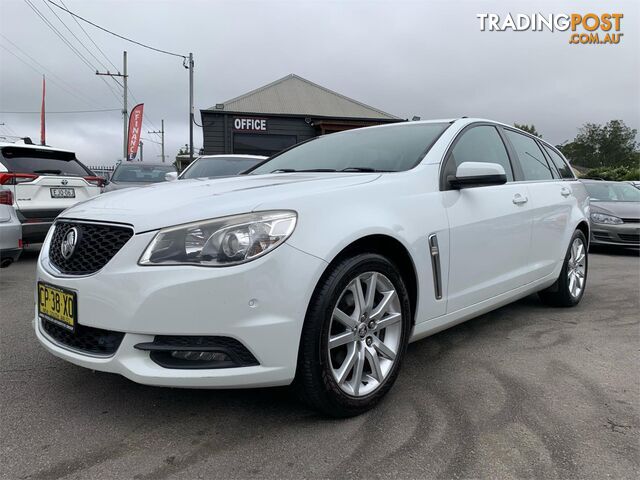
68, 43
115, 34
91, 39
68, 111
57, 80
74, 35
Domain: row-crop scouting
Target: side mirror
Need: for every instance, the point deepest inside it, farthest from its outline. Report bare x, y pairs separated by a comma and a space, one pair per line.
171, 176
477, 174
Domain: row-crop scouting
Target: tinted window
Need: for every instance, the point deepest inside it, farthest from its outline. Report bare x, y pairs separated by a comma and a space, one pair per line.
390, 148
534, 165
479, 144
563, 169
261, 144
30, 160
140, 173
219, 167
612, 192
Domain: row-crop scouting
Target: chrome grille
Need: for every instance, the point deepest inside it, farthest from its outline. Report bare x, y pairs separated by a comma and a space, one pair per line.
96, 244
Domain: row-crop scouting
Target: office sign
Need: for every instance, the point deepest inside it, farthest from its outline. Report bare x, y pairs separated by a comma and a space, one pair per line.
248, 124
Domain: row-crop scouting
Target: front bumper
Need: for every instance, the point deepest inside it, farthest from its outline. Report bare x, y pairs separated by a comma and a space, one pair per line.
262, 304
625, 235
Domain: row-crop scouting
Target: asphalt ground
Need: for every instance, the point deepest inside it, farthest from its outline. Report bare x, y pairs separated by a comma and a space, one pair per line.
526, 391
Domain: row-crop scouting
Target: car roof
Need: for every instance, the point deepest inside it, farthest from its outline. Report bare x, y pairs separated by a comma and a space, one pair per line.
35, 147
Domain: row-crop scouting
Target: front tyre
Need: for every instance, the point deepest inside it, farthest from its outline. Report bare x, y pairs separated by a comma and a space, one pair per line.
568, 290
355, 336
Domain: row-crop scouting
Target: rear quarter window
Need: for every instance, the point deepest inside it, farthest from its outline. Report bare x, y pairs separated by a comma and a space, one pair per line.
532, 160
563, 168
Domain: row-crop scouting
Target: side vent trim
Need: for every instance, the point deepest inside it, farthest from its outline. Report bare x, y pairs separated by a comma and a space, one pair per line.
434, 251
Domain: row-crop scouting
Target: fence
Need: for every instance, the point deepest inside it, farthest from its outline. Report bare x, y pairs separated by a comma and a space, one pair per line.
103, 170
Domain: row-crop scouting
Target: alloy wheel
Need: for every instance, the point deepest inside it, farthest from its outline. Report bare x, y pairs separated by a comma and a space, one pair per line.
576, 268
365, 334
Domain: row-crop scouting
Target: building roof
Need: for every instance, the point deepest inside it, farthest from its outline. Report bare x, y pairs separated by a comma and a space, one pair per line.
295, 95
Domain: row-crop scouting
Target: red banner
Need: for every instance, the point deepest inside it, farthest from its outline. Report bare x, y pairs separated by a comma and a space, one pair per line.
135, 131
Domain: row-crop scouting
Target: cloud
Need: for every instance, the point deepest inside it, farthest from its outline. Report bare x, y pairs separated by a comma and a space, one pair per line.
408, 58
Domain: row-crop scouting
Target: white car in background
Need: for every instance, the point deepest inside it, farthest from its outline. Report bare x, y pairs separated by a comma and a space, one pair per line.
40, 182
319, 266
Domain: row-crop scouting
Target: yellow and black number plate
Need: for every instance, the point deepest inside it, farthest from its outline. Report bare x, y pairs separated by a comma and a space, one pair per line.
57, 305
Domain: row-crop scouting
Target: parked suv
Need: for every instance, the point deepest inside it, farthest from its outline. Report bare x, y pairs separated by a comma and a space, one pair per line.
40, 182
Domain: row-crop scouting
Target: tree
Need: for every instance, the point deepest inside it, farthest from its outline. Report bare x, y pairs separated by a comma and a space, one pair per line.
528, 128
609, 145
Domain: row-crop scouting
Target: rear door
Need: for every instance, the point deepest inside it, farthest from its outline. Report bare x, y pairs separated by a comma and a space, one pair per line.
44, 182
551, 203
490, 227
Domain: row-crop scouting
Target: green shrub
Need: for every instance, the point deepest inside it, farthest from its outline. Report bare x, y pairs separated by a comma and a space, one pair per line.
616, 174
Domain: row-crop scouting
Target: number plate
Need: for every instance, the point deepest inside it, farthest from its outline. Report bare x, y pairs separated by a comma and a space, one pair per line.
63, 193
57, 305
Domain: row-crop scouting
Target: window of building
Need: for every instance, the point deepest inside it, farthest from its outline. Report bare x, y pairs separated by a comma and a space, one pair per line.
261, 144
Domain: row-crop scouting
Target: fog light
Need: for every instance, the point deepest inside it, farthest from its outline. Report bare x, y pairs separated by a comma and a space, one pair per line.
200, 356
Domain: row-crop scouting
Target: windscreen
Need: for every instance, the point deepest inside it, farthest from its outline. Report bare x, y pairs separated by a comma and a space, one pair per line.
137, 173
219, 167
612, 192
391, 148
42, 162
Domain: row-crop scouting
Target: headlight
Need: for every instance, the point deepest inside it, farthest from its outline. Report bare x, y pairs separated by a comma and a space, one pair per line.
222, 241
608, 219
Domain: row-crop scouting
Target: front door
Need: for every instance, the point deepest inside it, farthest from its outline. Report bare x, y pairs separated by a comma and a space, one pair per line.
490, 227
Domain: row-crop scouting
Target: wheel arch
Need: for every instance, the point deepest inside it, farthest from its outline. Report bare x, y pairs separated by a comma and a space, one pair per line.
583, 226
392, 249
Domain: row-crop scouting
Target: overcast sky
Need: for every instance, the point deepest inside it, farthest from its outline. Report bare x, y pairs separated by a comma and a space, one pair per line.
425, 58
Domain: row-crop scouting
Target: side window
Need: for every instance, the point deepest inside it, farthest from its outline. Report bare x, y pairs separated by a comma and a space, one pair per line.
534, 165
561, 165
479, 144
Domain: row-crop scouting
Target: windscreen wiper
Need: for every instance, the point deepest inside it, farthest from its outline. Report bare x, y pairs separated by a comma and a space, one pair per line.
364, 169
290, 170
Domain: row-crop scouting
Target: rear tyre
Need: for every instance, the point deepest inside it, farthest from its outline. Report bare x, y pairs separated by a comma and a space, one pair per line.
568, 290
355, 336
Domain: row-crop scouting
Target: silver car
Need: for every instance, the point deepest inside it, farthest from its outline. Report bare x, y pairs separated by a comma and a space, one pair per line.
127, 175
212, 166
615, 213
10, 235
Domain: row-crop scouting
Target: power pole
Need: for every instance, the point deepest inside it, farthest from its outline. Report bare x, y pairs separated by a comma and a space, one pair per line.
161, 133
125, 108
125, 117
141, 151
190, 107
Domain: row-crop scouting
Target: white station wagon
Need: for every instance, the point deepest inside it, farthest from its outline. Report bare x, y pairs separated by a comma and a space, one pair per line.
320, 266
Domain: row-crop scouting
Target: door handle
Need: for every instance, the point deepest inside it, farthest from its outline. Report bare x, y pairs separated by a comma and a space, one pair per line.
565, 192
519, 199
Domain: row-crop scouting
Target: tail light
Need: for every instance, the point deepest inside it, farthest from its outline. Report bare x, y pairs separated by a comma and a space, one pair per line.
95, 181
6, 197
16, 178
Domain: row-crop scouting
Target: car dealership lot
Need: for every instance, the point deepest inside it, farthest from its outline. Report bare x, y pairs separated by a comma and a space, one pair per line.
523, 391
